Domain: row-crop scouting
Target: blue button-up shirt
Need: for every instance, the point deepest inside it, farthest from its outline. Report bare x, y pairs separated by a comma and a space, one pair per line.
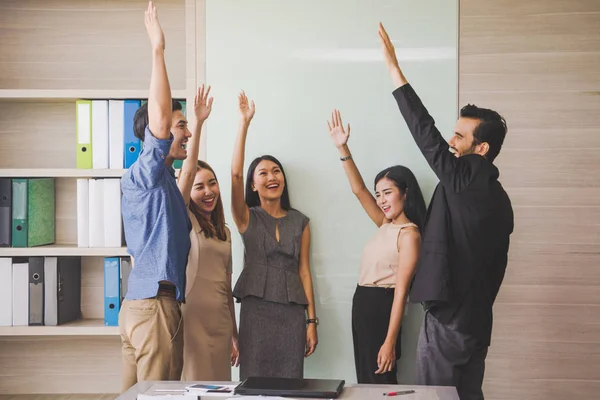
156, 222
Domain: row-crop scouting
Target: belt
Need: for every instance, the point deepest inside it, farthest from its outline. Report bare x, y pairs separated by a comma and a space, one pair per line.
167, 290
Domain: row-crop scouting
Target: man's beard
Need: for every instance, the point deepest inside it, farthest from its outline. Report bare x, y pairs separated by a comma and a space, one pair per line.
470, 150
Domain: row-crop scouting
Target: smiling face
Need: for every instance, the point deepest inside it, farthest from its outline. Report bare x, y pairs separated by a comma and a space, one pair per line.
389, 198
181, 134
463, 143
205, 191
268, 180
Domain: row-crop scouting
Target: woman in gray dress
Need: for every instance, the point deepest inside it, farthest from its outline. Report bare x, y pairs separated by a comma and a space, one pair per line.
278, 325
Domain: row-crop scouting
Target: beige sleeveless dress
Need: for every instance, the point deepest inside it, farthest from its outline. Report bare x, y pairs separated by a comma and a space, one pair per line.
207, 325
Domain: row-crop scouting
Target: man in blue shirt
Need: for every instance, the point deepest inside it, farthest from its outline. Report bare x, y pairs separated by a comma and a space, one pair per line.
157, 230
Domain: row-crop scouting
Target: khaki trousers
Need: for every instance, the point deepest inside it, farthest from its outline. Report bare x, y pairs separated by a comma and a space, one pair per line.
152, 337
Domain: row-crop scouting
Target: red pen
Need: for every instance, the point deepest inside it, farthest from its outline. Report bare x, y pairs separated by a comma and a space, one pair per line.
399, 393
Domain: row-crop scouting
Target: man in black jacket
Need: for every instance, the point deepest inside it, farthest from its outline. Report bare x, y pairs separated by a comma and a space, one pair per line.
465, 241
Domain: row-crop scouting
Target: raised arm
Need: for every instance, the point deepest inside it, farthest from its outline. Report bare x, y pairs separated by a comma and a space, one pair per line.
202, 109
239, 209
452, 172
409, 245
339, 136
160, 105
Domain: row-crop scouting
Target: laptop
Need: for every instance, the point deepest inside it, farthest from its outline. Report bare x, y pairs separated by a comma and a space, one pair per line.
288, 387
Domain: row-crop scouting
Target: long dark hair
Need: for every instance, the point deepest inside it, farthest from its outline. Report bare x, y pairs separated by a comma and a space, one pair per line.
252, 199
216, 225
404, 179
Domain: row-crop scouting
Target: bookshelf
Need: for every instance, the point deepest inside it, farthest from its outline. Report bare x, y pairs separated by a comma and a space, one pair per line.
51, 57
83, 327
60, 173
48, 95
62, 250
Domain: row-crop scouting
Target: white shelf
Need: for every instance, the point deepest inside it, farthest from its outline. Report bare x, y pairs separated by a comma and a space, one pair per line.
60, 173
62, 250
87, 327
75, 94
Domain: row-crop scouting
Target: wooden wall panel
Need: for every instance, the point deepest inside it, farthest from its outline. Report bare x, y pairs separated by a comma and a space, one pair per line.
73, 44
536, 63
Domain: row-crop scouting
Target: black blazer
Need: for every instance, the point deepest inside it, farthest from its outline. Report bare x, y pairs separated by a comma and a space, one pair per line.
466, 233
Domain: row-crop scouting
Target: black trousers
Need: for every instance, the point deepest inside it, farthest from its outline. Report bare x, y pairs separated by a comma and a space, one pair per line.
371, 310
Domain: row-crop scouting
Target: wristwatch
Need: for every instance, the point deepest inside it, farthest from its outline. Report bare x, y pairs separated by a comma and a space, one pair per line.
313, 321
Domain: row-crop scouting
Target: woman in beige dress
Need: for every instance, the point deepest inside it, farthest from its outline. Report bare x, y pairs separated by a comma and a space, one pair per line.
209, 330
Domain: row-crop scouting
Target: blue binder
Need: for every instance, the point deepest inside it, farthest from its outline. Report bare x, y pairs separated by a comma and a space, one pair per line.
132, 145
112, 290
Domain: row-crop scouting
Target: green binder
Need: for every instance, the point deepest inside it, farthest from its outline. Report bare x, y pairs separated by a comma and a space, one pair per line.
19, 212
41, 212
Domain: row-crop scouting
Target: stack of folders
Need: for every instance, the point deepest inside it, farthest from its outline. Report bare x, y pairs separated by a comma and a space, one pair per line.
27, 212
47, 290
40, 290
99, 213
116, 276
105, 135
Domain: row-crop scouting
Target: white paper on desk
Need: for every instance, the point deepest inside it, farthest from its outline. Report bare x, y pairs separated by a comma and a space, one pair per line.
199, 390
167, 391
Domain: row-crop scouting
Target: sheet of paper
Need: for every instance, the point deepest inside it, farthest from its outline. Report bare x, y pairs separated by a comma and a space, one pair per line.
211, 390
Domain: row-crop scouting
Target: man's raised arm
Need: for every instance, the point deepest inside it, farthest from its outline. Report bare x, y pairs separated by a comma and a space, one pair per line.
159, 99
453, 173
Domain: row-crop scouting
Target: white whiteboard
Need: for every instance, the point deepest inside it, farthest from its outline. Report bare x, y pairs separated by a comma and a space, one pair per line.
299, 60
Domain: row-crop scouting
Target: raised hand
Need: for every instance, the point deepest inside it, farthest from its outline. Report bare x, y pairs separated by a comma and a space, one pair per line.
246, 109
389, 56
338, 135
155, 33
202, 104
389, 52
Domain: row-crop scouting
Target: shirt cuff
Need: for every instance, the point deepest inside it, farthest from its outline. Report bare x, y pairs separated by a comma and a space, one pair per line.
162, 145
405, 90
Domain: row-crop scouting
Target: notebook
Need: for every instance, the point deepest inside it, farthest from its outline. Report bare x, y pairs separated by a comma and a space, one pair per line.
287, 387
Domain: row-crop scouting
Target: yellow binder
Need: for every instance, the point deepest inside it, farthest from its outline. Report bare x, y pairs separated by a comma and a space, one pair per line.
84, 134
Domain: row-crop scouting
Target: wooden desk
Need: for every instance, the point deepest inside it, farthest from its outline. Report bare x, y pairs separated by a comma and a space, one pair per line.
351, 391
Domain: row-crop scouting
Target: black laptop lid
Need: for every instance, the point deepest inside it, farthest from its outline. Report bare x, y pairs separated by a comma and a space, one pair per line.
316, 388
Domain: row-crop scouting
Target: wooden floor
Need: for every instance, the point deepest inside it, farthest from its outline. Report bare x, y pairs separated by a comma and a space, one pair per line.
59, 397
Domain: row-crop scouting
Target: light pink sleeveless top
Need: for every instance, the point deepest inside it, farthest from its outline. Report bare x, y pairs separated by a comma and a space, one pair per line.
379, 262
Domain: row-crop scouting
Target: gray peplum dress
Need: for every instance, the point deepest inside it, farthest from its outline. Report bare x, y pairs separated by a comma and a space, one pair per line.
272, 332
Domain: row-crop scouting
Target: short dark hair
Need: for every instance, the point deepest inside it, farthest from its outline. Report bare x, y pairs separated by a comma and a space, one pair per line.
140, 119
252, 199
491, 129
406, 182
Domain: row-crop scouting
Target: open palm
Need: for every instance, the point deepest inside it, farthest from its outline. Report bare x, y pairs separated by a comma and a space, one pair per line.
202, 103
246, 108
338, 135
155, 33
